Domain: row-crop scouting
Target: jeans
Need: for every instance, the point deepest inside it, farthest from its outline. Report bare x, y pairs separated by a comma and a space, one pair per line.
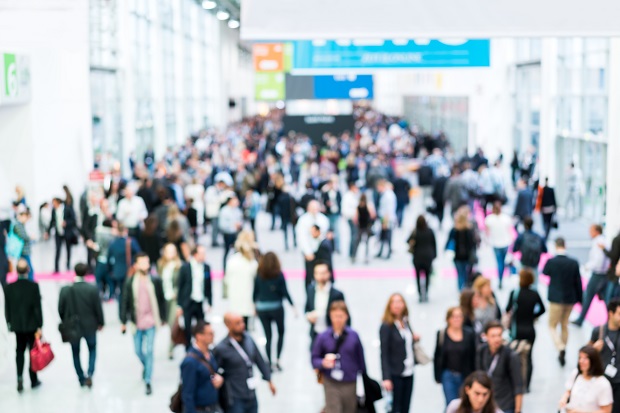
193, 311
451, 382
613, 291
146, 357
547, 220
286, 223
31, 271
427, 270
353, 231
243, 405
462, 269
500, 256
91, 342
229, 242
24, 340
403, 389
596, 285
266, 319
215, 230
333, 226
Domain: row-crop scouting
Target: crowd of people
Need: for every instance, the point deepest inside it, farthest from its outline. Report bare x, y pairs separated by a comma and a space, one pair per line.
145, 244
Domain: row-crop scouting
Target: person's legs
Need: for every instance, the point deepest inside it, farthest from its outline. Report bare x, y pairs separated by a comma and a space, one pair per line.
398, 394
30, 343
500, 257
547, 218
596, 282
31, 271
407, 393
148, 356
530, 366
389, 242
461, 270
138, 339
22, 343
334, 227
91, 342
615, 388
285, 230
75, 349
279, 319
333, 400
353, 238
58, 241
214, 231
566, 310
348, 398
418, 278
69, 246
251, 406
451, 383
555, 315
265, 319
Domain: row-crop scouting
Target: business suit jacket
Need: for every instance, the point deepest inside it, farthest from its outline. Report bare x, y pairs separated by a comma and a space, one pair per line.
469, 340
334, 295
564, 280
81, 299
525, 203
393, 351
23, 306
128, 309
68, 216
614, 255
117, 257
184, 296
548, 198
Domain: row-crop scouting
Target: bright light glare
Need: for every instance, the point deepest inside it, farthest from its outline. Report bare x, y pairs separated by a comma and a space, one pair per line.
209, 4
222, 15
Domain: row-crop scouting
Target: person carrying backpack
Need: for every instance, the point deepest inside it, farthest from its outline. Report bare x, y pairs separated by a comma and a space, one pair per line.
531, 246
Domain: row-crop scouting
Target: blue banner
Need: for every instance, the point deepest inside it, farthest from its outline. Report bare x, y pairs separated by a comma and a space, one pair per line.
324, 55
343, 87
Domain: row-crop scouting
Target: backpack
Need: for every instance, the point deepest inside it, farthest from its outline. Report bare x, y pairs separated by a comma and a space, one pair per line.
531, 249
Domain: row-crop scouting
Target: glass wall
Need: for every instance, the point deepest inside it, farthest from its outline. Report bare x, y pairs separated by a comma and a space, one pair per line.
527, 96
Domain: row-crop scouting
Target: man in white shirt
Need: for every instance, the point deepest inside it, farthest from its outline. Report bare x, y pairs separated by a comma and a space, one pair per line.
215, 196
307, 243
499, 231
387, 215
598, 264
321, 295
131, 211
350, 201
230, 223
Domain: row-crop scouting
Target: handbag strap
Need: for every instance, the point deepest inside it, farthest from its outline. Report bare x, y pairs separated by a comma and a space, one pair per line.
340, 340
571, 387
203, 361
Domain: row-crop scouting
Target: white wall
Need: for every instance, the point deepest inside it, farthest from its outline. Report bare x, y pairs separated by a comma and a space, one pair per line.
47, 142
488, 90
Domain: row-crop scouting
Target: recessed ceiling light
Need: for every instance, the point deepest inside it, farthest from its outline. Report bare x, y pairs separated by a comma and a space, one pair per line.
233, 24
209, 4
222, 15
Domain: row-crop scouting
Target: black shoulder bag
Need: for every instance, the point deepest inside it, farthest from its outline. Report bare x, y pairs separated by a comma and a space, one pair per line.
69, 327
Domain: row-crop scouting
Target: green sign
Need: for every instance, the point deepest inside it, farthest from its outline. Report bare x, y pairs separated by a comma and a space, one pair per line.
10, 75
269, 86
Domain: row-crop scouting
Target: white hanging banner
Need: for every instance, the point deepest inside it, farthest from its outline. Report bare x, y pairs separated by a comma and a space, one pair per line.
407, 19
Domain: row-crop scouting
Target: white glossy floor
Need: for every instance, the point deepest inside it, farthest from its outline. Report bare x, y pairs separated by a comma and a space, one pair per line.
117, 382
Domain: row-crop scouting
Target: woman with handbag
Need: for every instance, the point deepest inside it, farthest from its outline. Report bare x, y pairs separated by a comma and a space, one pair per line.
455, 354
397, 353
524, 307
462, 240
587, 390
339, 356
168, 268
423, 248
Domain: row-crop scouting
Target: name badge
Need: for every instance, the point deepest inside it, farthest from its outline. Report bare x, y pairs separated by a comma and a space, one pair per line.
611, 371
251, 381
337, 374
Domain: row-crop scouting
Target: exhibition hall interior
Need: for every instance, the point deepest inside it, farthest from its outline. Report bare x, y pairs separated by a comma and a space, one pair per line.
273, 206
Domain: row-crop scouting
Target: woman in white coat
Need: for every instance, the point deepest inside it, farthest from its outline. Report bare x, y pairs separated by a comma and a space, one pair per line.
240, 274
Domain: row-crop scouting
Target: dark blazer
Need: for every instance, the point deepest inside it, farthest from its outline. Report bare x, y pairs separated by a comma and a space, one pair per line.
548, 197
22, 306
614, 255
117, 256
469, 339
128, 310
324, 253
334, 295
69, 217
425, 248
89, 226
564, 280
525, 203
326, 201
81, 299
185, 285
393, 351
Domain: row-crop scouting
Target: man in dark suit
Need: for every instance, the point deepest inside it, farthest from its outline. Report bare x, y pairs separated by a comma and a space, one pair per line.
525, 201
548, 207
194, 289
24, 317
565, 290
324, 251
82, 300
321, 295
120, 256
64, 225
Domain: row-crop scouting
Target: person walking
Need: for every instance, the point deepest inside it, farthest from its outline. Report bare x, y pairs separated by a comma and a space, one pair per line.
525, 306
321, 295
24, 317
131, 210
240, 274
332, 200
606, 340
269, 293
201, 382
64, 224
597, 265
477, 396
462, 240
387, 215
486, 308
423, 248
397, 360
230, 223
524, 205
194, 290
338, 355
121, 254
237, 355
350, 201
613, 253
499, 230
504, 368
531, 246
81, 300
587, 389
307, 243
287, 208
548, 207
144, 307
19, 229
565, 290
168, 267
363, 220
455, 354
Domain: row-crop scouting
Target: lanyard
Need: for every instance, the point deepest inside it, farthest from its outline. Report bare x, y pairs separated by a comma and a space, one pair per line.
612, 347
241, 352
493, 365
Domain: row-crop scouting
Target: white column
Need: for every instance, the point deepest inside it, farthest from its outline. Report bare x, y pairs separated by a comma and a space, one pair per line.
126, 31
157, 86
612, 219
548, 110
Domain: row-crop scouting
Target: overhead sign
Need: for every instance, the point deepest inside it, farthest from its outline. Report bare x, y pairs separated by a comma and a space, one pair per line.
269, 86
321, 56
315, 126
343, 87
15, 79
407, 19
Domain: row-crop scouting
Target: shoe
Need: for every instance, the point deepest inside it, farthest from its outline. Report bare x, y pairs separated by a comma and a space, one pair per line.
149, 390
576, 323
20, 386
89, 382
562, 358
36, 384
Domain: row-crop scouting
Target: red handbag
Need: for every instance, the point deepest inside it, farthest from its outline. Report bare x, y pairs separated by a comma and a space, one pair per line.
40, 355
